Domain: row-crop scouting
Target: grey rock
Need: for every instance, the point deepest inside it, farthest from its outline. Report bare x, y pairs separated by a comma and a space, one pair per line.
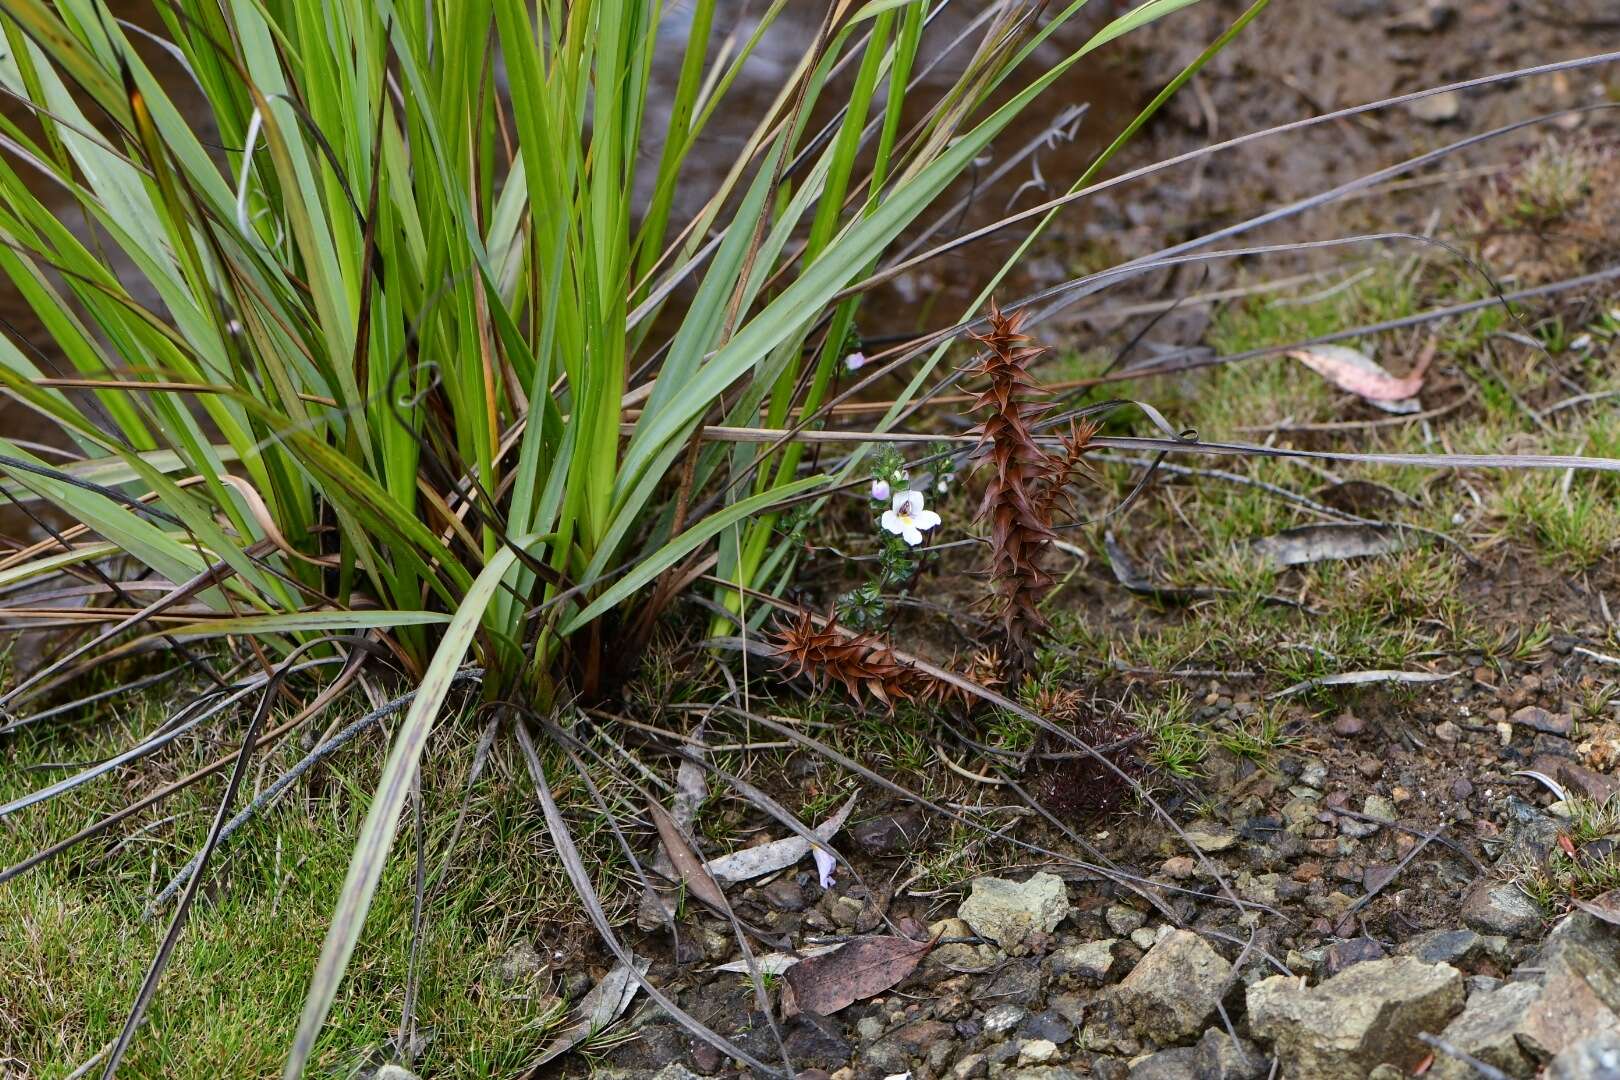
1343, 955
1049, 1025
673, 1071
1356, 829
1581, 932
1442, 108
1209, 837
1538, 719
1019, 982
400, 1072
1354, 1022
1314, 775
895, 1050
1376, 806
959, 955
1178, 1063
889, 834
1108, 1067
1580, 990
818, 1042
1041, 1072
1172, 992
970, 1067
519, 963
1488, 1029
1443, 946
1036, 1052
1016, 915
1220, 1057
1090, 962
1072, 1007
1596, 1057
1144, 937
1000, 1021
1348, 725
783, 894
1122, 920
1529, 838
870, 1028
1500, 908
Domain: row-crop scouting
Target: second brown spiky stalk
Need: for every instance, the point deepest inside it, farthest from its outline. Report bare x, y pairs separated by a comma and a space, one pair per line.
1026, 482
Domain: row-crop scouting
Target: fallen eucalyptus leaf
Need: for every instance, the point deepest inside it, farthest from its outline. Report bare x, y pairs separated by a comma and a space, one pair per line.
605, 1002
1546, 781
1363, 678
1133, 577
1321, 543
777, 855
691, 789
862, 968
777, 963
686, 862
1352, 370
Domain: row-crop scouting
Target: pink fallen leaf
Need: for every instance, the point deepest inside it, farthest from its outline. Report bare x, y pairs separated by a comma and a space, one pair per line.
864, 967
1352, 370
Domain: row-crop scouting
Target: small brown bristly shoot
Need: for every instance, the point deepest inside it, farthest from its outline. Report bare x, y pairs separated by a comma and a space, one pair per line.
864, 664
1027, 484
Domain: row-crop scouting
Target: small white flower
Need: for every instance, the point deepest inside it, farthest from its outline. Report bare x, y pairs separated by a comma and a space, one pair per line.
908, 520
880, 490
855, 360
1581, 343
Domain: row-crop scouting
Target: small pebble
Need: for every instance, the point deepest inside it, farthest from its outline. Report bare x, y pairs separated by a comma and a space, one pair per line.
999, 1021
1349, 725
1123, 920
1447, 732
1037, 1052
1180, 867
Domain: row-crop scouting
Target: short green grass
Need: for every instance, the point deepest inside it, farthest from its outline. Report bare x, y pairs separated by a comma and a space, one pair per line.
73, 946
1394, 611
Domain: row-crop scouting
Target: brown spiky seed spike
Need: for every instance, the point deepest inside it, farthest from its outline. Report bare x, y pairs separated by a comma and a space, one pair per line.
863, 664
1025, 482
